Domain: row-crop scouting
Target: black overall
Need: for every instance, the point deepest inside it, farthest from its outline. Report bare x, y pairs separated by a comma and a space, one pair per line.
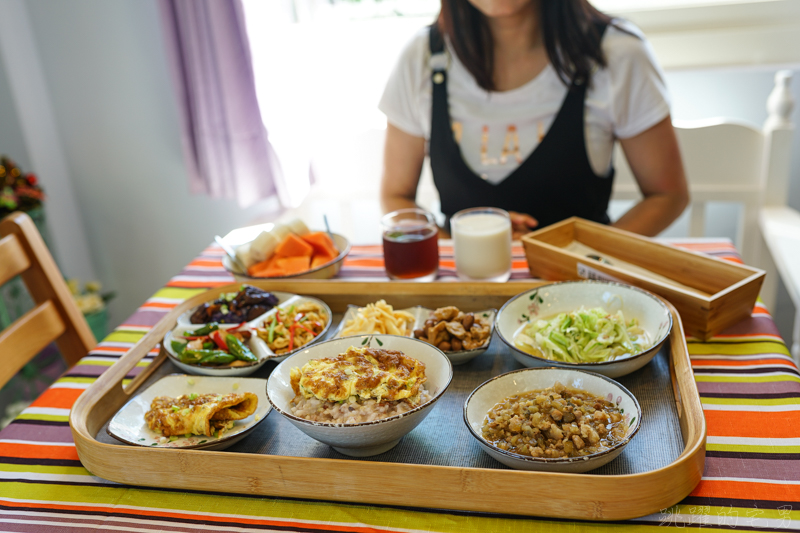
555, 182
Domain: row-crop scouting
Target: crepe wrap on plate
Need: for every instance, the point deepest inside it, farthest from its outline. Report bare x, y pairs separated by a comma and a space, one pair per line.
200, 415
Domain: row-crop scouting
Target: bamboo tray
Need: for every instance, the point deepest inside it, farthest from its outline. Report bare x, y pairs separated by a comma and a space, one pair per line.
570, 496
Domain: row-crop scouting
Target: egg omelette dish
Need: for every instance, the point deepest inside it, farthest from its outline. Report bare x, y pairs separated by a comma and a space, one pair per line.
366, 373
199, 414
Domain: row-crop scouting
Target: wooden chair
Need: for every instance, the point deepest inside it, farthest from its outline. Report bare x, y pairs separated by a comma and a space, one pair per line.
56, 317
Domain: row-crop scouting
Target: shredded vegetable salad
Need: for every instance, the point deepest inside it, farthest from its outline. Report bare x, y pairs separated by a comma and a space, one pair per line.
584, 336
294, 327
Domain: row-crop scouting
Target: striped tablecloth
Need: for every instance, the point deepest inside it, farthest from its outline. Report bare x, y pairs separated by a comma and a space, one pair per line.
749, 387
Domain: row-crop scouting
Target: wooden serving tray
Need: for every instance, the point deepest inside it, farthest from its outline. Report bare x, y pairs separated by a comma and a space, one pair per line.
572, 496
710, 293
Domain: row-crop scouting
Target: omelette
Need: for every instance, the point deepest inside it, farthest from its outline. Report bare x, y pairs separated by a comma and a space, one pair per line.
199, 414
366, 373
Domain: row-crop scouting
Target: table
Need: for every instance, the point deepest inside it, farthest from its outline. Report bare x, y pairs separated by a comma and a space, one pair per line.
749, 386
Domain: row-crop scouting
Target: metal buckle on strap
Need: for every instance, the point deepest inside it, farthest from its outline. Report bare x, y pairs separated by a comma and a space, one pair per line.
439, 62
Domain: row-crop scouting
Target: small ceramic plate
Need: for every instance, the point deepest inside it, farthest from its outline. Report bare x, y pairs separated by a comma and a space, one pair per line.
219, 371
184, 318
421, 314
259, 346
497, 389
129, 426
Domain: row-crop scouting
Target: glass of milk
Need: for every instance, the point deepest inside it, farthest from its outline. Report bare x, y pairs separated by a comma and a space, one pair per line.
482, 244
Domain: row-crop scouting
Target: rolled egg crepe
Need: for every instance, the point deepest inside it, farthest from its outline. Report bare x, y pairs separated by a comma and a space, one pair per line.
199, 415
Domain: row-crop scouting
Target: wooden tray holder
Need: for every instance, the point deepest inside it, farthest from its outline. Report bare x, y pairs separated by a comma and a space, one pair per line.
578, 496
730, 289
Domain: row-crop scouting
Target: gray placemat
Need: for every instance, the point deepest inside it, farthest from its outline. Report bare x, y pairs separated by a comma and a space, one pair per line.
443, 438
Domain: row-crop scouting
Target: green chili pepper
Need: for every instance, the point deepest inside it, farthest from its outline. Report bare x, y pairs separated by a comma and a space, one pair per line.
239, 350
206, 356
205, 330
217, 358
209, 345
179, 347
271, 334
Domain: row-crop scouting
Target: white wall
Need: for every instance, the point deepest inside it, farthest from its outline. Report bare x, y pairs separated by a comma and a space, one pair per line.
114, 105
11, 143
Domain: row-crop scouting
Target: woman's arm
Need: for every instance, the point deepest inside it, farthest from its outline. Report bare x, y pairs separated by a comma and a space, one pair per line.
655, 160
402, 164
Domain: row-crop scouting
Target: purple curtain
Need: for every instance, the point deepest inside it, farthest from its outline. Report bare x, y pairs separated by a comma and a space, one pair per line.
226, 146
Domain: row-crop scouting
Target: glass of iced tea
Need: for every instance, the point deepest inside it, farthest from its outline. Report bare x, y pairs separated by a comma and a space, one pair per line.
410, 244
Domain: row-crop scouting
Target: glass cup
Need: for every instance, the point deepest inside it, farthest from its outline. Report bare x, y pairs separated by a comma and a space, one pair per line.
482, 244
410, 244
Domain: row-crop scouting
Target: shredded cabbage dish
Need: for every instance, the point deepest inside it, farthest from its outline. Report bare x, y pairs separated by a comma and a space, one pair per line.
583, 336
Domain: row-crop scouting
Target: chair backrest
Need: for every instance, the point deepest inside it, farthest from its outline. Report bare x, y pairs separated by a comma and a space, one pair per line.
55, 316
730, 161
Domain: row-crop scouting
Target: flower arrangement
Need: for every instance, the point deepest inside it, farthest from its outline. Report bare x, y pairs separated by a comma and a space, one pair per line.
89, 298
18, 191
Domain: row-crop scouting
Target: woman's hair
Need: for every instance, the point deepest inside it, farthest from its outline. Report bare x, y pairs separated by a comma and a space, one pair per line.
569, 28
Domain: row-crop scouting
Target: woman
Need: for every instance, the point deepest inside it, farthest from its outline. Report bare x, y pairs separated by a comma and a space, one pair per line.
519, 102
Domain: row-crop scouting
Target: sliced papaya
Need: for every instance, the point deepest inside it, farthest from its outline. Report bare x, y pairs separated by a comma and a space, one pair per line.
259, 269
320, 259
294, 265
294, 246
322, 243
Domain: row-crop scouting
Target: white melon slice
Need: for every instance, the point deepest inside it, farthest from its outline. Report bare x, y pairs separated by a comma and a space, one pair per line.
298, 227
244, 256
264, 246
280, 231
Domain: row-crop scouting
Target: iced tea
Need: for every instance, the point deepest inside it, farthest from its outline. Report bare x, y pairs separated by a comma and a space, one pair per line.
410, 245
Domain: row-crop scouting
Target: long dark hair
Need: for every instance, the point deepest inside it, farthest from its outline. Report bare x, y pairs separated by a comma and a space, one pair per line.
569, 27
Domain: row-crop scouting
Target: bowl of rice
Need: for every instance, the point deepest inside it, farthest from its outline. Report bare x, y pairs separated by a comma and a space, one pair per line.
598, 326
360, 395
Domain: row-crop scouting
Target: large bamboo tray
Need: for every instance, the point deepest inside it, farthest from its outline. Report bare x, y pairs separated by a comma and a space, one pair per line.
573, 496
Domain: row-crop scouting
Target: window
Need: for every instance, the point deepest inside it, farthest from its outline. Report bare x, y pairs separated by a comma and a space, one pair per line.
320, 68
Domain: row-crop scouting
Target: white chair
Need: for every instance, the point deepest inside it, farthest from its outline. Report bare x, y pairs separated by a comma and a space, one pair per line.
730, 161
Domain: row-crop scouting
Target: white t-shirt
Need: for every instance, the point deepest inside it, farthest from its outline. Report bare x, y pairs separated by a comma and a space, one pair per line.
624, 99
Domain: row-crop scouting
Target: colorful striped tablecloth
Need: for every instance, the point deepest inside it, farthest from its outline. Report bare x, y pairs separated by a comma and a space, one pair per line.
749, 387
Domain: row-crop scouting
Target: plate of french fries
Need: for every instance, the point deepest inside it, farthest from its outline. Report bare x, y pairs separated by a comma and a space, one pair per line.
378, 318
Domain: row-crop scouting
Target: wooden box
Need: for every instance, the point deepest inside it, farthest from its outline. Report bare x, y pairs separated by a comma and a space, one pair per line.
710, 294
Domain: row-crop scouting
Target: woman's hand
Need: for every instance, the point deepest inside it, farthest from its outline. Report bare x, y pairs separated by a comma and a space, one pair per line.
521, 223
655, 159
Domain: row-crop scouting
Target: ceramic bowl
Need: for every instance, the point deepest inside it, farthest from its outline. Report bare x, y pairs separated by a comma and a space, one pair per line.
185, 318
501, 387
421, 314
549, 300
219, 371
128, 424
366, 438
326, 271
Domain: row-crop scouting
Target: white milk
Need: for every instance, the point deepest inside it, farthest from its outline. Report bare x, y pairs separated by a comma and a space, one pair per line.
482, 246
